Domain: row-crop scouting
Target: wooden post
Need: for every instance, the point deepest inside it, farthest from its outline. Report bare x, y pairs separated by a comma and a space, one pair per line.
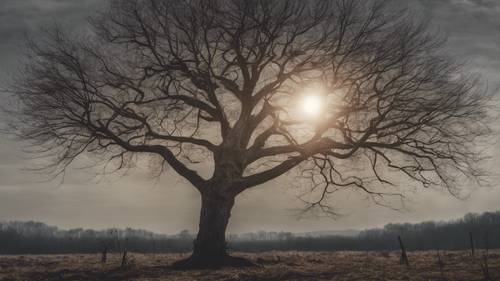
404, 257
471, 244
441, 265
124, 258
485, 267
484, 264
104, 254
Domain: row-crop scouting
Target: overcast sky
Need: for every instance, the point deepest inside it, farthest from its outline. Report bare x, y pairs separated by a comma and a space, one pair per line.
168, 204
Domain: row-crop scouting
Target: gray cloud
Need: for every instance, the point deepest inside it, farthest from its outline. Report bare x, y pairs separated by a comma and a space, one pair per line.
20, 18
473, 29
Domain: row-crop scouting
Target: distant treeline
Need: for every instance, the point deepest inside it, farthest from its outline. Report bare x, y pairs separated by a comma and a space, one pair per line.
38, 238
452, 235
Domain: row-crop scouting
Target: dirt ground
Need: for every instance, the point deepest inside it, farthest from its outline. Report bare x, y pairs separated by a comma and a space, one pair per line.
274, 266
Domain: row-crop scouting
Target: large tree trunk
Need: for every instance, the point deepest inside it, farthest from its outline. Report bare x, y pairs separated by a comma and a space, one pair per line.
210, 247
210, 244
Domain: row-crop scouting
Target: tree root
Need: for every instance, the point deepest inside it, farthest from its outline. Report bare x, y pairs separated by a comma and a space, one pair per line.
197, 262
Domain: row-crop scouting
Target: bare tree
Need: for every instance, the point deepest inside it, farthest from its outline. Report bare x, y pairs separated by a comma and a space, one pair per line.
222, 83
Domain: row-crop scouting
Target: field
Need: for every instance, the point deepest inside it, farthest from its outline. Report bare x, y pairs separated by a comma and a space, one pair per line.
273, 266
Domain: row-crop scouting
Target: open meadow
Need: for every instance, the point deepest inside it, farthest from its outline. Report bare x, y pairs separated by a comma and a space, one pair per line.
425, 265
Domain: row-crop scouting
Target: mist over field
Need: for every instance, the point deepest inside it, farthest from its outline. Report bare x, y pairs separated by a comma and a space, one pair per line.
39, 238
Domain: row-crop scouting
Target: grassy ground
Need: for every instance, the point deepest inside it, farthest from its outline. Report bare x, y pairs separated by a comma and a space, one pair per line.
274, 266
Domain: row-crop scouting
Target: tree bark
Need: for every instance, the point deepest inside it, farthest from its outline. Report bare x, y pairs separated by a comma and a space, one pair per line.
210, 246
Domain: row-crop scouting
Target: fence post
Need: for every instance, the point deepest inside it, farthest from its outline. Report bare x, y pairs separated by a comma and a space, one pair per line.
124, 258
441, 265
404, 257
471, 244
104, 254
485, 267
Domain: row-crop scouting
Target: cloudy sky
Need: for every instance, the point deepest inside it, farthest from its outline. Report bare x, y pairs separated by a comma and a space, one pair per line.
168, 204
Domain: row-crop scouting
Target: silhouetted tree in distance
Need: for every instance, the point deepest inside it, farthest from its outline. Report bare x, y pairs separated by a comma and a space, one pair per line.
219, 83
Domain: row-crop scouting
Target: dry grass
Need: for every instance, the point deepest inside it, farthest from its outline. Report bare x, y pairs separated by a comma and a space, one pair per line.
458, 266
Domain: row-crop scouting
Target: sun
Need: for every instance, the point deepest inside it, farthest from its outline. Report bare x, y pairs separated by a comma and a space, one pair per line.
312, 105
